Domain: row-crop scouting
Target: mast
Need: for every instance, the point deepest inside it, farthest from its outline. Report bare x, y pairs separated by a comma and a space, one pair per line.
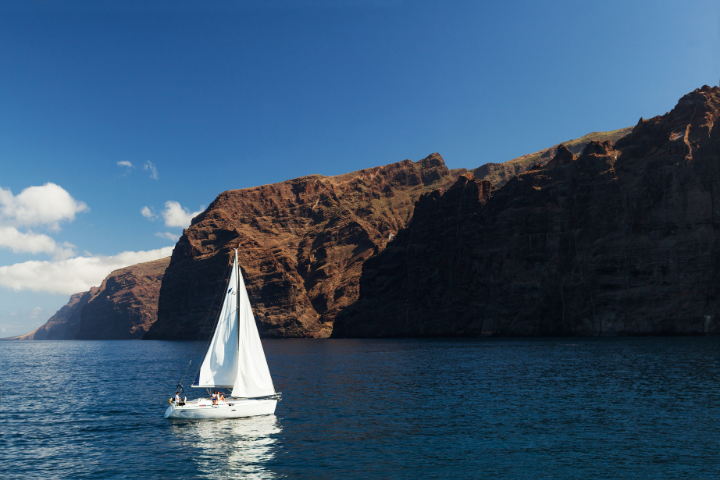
237, 294
219, 368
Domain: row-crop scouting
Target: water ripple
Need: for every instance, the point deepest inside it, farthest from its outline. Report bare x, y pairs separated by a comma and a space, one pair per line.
586, 408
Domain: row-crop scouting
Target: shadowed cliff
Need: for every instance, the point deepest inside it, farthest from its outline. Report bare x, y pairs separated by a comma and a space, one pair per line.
499, 173
622, 240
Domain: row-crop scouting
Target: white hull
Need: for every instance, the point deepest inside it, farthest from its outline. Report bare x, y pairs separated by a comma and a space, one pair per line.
203, 409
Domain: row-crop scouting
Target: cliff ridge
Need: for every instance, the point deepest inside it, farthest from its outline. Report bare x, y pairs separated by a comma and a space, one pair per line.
302, 244
622, 240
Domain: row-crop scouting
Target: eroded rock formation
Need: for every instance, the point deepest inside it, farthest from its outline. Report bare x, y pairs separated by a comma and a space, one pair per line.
622, 240
499, 173
125, 305
122, 308
302, 244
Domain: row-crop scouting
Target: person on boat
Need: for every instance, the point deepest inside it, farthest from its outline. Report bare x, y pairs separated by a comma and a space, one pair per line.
214, 397
178, 400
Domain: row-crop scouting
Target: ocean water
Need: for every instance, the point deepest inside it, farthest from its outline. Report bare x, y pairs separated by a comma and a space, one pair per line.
486, 408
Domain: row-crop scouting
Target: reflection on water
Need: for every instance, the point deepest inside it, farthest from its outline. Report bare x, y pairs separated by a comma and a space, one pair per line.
242, 446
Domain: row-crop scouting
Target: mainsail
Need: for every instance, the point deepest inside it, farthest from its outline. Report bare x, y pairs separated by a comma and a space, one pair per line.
236, 358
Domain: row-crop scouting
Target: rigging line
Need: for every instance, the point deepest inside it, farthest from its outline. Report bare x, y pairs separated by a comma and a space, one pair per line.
237, 295
207, 317
212, 305
185, 374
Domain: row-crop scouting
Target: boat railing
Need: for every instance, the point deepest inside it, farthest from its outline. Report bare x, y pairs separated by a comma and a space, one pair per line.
274, 396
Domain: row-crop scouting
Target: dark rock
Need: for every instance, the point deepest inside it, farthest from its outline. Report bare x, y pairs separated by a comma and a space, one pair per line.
623, 240
562, 157
500, 173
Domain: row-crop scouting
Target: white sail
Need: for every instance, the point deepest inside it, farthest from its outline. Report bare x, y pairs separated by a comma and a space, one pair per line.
219, 369
253, 376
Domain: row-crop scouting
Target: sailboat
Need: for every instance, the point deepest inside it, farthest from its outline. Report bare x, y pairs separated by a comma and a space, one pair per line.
234, 359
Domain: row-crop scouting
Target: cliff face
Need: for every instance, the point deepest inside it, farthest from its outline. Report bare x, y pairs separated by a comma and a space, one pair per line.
499, 173
65, 324
622, 240
302, 244
125, 305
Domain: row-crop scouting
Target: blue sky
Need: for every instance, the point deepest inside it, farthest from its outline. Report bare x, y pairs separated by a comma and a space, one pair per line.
220, 95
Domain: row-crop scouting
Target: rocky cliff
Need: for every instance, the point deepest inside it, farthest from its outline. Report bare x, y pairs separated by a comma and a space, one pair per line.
123, 307
622, 240
302, 245
65, 324
499, 173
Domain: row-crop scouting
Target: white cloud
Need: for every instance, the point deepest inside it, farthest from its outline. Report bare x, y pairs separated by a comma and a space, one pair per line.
168, 235
47, 205
19, 242
72, 275
148, 213
153, 170
127, 164
177, 216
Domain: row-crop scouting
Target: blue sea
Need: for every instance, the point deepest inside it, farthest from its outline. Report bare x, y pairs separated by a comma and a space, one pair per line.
435, 408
